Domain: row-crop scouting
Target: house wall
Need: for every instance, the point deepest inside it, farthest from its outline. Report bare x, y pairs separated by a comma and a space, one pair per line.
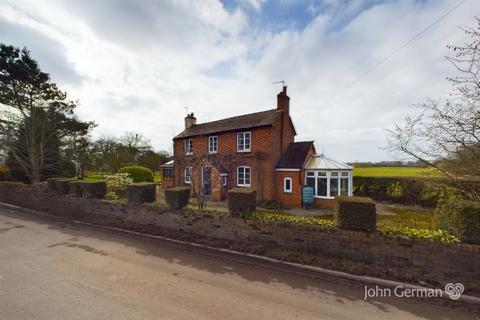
266, 149
289, 199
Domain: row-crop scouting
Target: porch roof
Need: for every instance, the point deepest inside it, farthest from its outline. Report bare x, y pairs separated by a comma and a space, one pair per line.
321, 162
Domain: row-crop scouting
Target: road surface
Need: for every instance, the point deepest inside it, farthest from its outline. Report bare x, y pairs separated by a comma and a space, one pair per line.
53, 270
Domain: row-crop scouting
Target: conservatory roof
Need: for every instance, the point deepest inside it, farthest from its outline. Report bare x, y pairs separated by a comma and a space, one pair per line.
321, 162
168, 164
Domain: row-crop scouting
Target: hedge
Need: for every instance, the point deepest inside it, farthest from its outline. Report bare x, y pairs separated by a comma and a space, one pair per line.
93, 189
75, 188
177, 198
5, 173
51, 183
241, 201
138, 173
61, 185
460, 218
355, 213
141, 192
407, 190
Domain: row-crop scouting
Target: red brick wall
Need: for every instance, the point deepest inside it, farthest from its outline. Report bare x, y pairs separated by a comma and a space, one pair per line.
263, 157
324, 203
293, 199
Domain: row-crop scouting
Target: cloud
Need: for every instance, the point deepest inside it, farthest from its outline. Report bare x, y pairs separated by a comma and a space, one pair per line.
141, 62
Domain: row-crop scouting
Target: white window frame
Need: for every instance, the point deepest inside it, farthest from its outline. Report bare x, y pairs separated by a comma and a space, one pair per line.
328, 175
289, 190
215, 144
188, 147
244, 184
243, 135
187, 173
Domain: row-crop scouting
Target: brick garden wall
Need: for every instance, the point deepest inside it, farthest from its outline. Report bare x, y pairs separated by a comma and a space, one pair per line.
397, 257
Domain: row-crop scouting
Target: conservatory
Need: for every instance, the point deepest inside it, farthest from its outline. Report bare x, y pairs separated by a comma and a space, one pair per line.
328, 178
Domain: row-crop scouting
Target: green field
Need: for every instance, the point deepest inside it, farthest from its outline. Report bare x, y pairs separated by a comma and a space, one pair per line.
395, 172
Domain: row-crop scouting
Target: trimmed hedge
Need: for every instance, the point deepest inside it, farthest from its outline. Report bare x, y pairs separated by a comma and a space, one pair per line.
355, 213
138, 173
5, 173
75, 188
142, 192
62, 185
51, 183
422, 191
177, 198
93, 189
241, 201
460, 218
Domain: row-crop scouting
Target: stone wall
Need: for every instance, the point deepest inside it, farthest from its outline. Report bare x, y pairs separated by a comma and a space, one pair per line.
397, 257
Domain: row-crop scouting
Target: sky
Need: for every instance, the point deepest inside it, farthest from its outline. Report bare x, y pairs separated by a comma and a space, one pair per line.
140, 65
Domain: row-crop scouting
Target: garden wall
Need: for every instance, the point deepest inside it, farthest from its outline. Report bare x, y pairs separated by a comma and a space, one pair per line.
397, 257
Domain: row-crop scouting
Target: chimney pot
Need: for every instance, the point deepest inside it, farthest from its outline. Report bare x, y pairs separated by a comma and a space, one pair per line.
190, 120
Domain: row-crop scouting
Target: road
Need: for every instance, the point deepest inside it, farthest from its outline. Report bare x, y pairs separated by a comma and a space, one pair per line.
55, 270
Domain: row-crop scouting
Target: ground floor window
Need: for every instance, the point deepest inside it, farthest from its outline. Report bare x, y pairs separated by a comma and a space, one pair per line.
188, 175
243, 176
328, 184
168, 172
287, 184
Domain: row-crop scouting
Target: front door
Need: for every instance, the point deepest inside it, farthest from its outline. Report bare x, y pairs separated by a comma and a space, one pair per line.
207, 181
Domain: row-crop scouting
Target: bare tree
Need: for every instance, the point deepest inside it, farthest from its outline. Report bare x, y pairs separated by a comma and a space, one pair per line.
446, 134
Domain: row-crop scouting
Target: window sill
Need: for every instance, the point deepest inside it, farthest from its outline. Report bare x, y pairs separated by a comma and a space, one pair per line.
244, 151
244, 185
287, 192
212, 152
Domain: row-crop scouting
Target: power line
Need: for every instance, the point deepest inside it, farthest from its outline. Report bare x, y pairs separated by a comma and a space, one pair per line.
348, 86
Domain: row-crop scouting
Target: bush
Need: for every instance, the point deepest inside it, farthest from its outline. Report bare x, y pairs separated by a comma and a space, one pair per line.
177, 198
75, 188
5, 173
138, 173
408, 190
118, 183
460, 218
61, 185
355, 213
241, 201
142, 192
94, 189
51, 183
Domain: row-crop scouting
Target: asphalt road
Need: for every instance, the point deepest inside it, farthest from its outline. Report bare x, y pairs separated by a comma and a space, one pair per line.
52, 270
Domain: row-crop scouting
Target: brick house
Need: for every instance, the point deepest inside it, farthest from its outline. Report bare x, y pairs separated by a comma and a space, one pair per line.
255, 150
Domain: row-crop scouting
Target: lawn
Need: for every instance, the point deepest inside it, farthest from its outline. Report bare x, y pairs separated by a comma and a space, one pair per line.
395, 172
94, 175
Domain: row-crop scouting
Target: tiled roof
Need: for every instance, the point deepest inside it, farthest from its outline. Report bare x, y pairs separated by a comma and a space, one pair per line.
252, 120
295, 155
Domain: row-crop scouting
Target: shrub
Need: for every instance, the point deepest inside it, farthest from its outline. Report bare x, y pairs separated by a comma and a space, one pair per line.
51, 183
177, 198
75, 188
424, 234
460, 218
241, 201
61, 185
94, 189
138, 173
112, 196
5, 173
355, 213
118, 183
142, 192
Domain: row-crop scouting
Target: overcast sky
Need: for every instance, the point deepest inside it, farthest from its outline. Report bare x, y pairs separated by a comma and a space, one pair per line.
135, 64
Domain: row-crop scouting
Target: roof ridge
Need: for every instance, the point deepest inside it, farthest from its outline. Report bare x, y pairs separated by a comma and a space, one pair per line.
241, 115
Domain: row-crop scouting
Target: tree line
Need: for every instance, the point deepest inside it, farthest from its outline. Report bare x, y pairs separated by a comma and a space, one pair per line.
40, 135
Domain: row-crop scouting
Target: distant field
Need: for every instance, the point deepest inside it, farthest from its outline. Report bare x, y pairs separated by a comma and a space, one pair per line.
395, 172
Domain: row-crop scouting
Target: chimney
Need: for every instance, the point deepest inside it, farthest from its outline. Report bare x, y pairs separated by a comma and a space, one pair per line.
283, 101
190, 120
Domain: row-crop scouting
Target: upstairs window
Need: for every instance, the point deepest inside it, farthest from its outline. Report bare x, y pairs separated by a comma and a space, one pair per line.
244, 141
243, 176
188, 147
188, 175
213, 144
